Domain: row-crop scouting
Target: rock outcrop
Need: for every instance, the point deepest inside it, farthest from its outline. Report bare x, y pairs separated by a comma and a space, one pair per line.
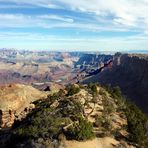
15, 102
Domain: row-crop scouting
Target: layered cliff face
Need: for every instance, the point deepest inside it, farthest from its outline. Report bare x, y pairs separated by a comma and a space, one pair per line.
15, 102
94, 60
130, 73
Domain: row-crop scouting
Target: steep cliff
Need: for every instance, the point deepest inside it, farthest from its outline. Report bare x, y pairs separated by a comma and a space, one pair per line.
94, 60
130, 73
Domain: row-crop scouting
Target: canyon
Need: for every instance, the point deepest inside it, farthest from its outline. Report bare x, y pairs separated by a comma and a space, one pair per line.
56, 88
54, 70
29, 67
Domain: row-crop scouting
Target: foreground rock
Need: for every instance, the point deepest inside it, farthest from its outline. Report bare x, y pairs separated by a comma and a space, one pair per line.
15, 102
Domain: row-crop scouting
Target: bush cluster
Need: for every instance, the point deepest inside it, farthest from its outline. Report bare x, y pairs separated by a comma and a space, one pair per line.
82, 130
137, 124
72, 89
137, 121
48, 120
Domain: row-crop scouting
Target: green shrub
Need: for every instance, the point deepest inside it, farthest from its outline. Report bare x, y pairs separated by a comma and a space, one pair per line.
93, 88
72, 89
99, 121
136, 124
40, 124
109, 109
108, 106
114, 91
102, 93
107, 125
81, 131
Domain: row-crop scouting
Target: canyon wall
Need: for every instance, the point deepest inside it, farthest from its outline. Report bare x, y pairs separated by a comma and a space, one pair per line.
130, 73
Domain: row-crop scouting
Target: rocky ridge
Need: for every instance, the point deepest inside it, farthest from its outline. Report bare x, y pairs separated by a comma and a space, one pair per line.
79, 115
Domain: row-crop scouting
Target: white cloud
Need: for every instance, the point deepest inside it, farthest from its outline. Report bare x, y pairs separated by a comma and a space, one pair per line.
20, 20
125, 12
56, 17
11, 17
52, 21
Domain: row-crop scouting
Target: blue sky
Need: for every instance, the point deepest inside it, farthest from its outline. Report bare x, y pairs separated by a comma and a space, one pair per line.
74, 25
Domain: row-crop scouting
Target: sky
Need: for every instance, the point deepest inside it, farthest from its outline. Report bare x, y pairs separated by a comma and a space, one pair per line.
109, 25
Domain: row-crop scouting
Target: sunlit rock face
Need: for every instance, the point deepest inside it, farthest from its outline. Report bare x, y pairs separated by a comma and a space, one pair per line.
15, 102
